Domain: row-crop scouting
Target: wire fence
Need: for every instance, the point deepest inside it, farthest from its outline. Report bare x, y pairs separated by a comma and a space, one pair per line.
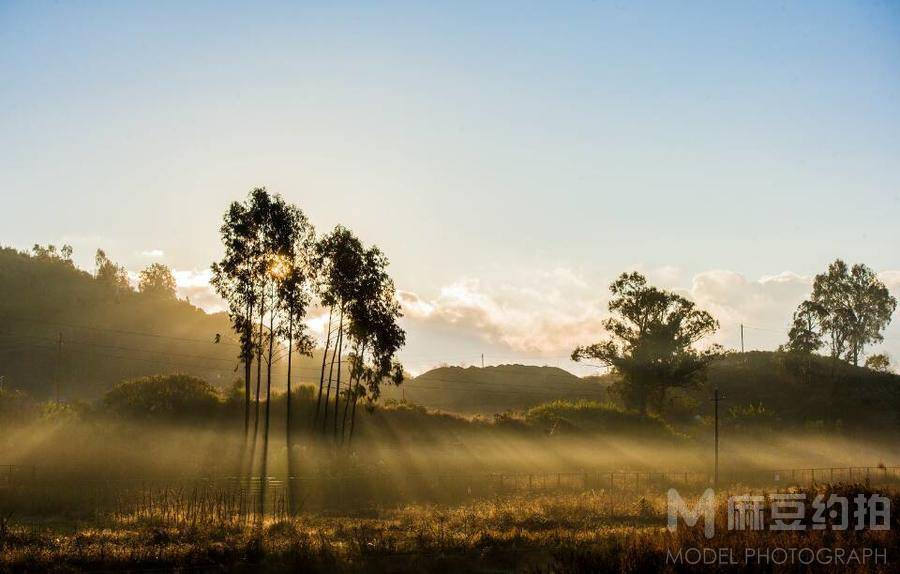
231, 498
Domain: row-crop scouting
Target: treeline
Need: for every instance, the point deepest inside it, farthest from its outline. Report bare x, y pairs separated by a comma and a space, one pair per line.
186, 402
75, 333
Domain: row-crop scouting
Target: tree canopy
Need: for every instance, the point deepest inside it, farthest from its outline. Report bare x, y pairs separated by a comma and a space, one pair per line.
156, 280
651, 345
848, 310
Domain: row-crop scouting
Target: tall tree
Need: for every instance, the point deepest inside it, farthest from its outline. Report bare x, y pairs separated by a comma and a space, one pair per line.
375, 333
339, 259
236, 279
849, 306
651, 344
292, 240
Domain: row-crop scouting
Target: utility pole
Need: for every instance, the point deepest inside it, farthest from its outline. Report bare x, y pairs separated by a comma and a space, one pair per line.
58, 363
717, 398
482, 360
742, 337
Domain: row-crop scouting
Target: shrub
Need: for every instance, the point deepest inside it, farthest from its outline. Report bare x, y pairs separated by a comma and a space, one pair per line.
163, 397
592, 416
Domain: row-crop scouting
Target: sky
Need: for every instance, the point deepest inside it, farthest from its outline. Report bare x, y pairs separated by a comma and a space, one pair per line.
511, 158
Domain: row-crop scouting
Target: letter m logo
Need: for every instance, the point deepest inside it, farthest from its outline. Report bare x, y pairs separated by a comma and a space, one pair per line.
705, 507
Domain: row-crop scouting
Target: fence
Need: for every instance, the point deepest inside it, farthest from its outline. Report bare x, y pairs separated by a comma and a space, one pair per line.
22, 488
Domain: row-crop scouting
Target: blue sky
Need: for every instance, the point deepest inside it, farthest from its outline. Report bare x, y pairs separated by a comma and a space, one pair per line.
511, 156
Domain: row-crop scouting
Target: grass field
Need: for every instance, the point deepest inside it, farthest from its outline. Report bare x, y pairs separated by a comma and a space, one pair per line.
590, 531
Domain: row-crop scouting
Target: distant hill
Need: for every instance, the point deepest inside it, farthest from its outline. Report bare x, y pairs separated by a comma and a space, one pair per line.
489, 390
792, 391
106, 335
804, 390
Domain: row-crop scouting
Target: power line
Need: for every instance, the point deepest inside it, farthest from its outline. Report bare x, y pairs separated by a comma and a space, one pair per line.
120, 331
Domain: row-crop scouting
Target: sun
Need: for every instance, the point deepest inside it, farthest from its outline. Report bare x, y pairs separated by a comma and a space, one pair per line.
279, 266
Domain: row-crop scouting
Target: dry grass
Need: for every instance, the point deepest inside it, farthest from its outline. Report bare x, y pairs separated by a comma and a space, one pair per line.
584, 532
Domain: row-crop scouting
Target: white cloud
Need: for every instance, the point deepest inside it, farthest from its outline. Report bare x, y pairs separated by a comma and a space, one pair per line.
194, 284
764, 306
892, 280
152, 254
549, 313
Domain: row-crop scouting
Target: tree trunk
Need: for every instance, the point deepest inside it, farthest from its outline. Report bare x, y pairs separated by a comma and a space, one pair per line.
352, 390
353, 413
337, 386
269, 367
322, 374
248, 363
290, 350
259, 350
263, 479
330, 373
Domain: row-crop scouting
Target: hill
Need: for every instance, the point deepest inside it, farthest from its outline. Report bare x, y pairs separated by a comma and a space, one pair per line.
489, 390
763, 390
58, 324
806, 390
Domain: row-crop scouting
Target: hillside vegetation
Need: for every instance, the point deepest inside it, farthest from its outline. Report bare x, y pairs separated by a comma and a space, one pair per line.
60, 324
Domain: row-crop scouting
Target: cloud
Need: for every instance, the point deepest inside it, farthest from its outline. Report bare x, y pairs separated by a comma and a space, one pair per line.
549, 312
892, 280
152, 254
194, 285
733, 299
763, 306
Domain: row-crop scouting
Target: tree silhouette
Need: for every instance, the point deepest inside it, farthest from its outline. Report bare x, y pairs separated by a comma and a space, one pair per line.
805, 336
157, 281
235, 280
653, 333
339, 259
110, 274
849, 306
880, 362
376, 336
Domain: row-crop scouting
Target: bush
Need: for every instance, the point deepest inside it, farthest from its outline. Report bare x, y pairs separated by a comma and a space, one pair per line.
751, 417
163, 397
591, 416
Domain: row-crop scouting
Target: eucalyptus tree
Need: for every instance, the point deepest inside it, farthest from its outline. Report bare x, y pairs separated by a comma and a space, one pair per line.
236, 279
380, 364
293, 239
376, 336
338, 258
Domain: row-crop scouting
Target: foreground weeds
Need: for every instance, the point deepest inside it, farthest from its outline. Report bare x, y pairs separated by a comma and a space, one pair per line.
594, 531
